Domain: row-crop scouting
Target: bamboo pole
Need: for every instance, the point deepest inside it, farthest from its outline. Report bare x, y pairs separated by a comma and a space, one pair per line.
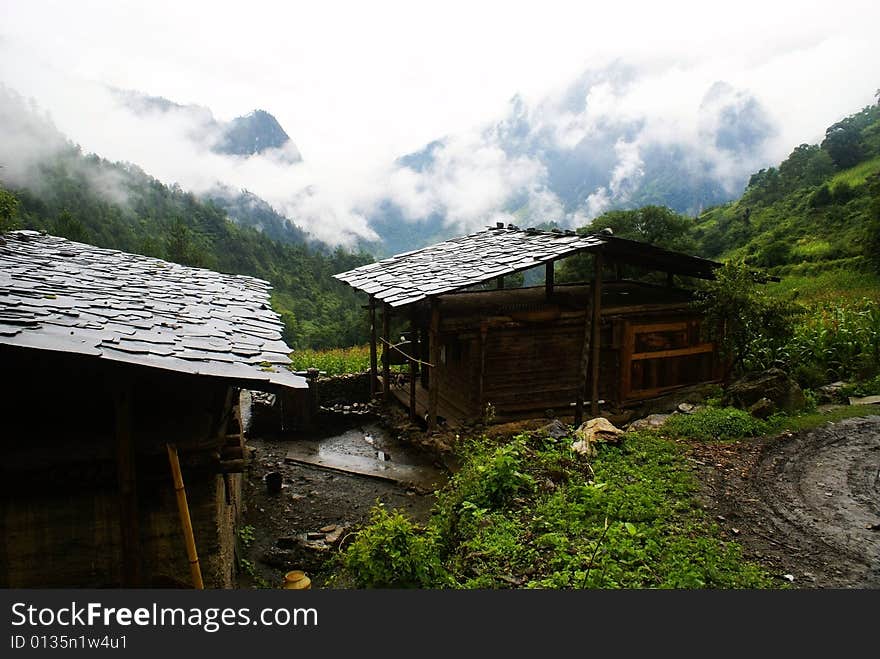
185, 522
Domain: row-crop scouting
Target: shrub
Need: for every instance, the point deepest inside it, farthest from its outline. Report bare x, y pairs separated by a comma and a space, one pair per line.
714, 423
392, 552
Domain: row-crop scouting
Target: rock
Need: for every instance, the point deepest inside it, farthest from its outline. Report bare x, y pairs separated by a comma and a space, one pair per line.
831, 393
314, 535
333, 537
555, 429
650, 422
762, 409
287, 542
328, 529
773, 384
865, 400
689, 408
592, 432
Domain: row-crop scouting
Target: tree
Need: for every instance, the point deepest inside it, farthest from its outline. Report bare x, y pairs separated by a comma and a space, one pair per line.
8, 211
69, 227
742, 319
181, 247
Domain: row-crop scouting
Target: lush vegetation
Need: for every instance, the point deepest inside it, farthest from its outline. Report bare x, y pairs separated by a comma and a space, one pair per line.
333, 361
818, 211
533, 513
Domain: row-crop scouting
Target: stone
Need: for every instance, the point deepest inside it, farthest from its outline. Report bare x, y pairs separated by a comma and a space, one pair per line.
555, 429
831, 393
333, 537
650, 422
689, 408
865, 400
762, 409
328, 529
773, 384
592, 432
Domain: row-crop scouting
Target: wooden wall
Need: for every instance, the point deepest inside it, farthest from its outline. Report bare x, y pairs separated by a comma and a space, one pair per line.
59, 496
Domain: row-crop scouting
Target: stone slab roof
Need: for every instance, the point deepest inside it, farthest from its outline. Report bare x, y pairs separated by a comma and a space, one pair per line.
64, 296
480, 257
461, 262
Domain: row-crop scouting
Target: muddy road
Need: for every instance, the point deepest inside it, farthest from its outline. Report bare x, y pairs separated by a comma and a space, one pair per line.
807, 505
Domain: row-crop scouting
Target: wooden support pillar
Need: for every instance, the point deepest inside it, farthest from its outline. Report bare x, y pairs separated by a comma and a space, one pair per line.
595, 338
374, 374
413, 352
185, 521
434, 381
670, 282
126, 472
499, 283
386, 352
584, 365
549, 279
424, 355
484, 331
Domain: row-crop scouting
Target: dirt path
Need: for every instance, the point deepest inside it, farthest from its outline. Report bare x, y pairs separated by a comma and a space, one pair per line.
806, 505
311, 499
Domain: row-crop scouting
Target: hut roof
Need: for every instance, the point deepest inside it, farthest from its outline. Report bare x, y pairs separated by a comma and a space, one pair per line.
479, 257
60, 295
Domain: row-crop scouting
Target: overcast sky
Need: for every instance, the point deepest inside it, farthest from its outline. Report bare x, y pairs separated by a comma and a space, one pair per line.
357, 84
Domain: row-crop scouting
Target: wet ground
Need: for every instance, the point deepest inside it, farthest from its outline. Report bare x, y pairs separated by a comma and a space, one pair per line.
807, 505
283, 530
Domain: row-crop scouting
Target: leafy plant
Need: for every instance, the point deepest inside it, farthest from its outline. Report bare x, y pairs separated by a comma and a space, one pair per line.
247, 535
714, 423
392, 552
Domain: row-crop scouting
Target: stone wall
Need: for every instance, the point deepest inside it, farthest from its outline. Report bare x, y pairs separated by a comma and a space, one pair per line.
351, 388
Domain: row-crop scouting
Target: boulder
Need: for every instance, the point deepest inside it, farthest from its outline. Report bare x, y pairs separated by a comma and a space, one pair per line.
650, 422
773, 384
592, 432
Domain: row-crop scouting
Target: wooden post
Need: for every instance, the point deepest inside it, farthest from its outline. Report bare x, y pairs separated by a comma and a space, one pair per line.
413, 343
484, 331
185, 521
434, 381
374, 374
126, 472
584, 364
386, 352
596, 324
424, 355
549, 279
499, 283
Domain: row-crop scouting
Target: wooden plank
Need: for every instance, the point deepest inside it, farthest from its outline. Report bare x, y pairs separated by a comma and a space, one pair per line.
484, 331
126, 471
434, 381
584, 364
386, 353
677, 352
426, 478
549, 279
594, 339
373, 360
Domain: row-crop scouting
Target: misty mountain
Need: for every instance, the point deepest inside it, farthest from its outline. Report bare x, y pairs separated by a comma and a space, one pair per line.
247, 209
256, 133
592, 148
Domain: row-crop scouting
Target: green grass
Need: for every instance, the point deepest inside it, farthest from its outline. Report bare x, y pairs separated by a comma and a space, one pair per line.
856, 175
838, 285
714, 423
531, 513
814, 419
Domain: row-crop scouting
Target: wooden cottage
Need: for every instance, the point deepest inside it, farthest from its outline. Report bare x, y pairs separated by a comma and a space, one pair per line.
475, 346
117, 371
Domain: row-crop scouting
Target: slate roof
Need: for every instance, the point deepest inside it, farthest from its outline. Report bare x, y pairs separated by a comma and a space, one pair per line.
64, 296
462, 262
479, 257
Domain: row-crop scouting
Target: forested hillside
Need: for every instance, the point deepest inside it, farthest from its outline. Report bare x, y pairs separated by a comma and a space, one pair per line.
815, 219
88, 199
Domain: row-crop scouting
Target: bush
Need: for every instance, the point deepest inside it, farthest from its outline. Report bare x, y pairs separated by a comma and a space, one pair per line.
714, 423
393, 553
